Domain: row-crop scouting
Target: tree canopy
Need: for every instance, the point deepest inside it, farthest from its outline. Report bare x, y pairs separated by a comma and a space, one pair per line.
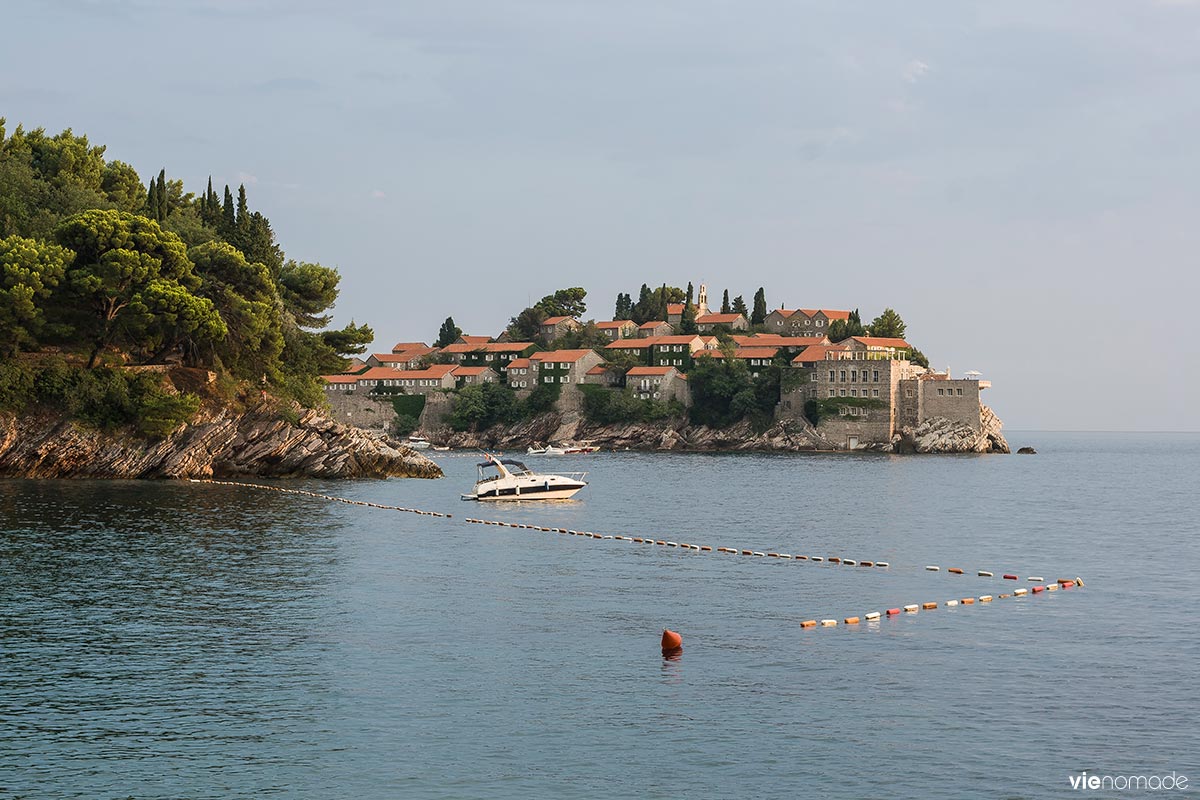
888, 324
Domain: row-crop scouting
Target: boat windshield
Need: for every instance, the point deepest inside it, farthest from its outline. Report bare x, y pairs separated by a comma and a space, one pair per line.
514, 467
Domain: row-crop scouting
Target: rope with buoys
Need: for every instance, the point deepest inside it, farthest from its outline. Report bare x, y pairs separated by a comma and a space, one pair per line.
914, 608
328, 497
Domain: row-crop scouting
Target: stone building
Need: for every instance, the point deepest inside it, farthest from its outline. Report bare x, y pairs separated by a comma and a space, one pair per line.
557, 327
654, 328
618, 328
658, 383
563, 366
712, 322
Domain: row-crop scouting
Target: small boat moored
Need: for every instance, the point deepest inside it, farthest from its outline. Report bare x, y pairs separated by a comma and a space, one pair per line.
506, 479
417, 442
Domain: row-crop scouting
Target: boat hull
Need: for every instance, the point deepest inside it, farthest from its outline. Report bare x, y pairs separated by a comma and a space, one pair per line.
563, 492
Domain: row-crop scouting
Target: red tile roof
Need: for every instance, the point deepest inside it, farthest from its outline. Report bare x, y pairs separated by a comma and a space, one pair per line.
817, 352
378, 374
882, 341
560, 356
555, 320
746, 352
475, 339
519, 363
340, 378
402, 346
599, 369
468, 372
632, 344
648, 371
775, 340
718, 319
436, 372
784, 312
828, 312
682, 339
675, 308
654, 323
489, 347
615, 324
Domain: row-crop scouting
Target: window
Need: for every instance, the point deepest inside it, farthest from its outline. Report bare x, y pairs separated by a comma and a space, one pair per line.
833, 393
853, 375
564, 379
960, 392
875, 393
842, 392
876, 373
854, 392
820, 323
832, 376
941, 391
548, 379
908, 392
843, 374
488, 357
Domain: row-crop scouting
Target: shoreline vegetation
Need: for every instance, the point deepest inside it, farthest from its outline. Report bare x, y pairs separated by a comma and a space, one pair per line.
134, 318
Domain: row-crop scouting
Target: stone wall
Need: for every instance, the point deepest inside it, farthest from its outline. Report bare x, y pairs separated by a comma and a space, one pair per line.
359, 409
953, 400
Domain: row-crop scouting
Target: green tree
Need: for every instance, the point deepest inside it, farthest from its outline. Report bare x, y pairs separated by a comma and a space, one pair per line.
122, 186
645, 307
725, 307
308, 291
739, 307
448, 334
351, 340
152, 200
527, 326
123, 266
247, 299
228, 214
29, 271
759, 315
687, 322
564, 303
624, 307
888, 325
160, 213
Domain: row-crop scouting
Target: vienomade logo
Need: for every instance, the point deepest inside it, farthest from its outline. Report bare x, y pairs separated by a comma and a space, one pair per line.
1121, 783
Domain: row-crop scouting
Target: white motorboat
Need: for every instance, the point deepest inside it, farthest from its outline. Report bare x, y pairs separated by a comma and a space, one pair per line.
417, 442
505, 479
548, 450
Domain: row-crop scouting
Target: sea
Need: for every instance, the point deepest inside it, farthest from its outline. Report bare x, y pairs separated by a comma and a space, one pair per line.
196, 640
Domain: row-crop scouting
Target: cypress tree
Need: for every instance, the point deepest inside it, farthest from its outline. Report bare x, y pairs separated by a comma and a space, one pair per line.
228, 218
688, 300
152, 200
243, 211
162, 195
759, 315
725, 303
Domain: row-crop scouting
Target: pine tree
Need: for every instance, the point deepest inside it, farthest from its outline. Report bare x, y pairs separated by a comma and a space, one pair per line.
689, 299
739, 306
687, 323
624, 307
725, 303
759, 315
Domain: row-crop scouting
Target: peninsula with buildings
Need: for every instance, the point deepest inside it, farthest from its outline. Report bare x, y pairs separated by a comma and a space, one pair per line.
671, 373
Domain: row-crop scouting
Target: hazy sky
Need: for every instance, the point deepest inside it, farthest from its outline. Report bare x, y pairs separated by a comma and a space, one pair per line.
1020, 180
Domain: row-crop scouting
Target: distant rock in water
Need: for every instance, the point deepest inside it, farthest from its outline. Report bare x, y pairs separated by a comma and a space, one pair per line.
1027, 451
258, 443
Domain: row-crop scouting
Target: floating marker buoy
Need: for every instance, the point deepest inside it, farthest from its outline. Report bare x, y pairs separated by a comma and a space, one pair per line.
672, 642
1020, 592
1068, 584
828, 623
760, 553
834, 560
911, 609
955, 570
984, 574
866, 563
773, 555
951, 602
1011, 578
816, 558
672, 544
1037, 589
1053, 587
808, 623
873, 615
883, 564
1035, 578
747, 552
706, 548
849, 562
801, 558
1004, 596
928, 606
660, 543
851, 620
785, 555
968, 601
932, 568
985, 598
891, 612
1078, 581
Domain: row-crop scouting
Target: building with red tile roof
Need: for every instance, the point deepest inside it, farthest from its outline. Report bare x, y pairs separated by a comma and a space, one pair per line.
711, 322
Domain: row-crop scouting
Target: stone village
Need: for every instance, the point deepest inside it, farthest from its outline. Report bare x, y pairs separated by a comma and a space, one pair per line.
881, 390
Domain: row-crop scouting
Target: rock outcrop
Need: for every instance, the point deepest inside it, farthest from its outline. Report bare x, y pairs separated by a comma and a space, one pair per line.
935, 436
260, 442
940, 435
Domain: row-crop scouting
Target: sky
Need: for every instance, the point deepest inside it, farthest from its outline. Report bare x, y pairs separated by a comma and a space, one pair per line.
1019, 180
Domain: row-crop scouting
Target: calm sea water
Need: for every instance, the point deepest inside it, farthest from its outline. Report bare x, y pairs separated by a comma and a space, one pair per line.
178, 640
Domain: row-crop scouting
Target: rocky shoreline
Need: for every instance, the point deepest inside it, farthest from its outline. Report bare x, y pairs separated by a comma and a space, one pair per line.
260, 442
936, 435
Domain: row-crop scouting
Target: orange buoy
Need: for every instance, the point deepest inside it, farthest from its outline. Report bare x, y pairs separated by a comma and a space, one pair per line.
672, 642
1037, 589
967, 601
955, 570
1010, 577
891, 612
851, 620
808, 623
928, 606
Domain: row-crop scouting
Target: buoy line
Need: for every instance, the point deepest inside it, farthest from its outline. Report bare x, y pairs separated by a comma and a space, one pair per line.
916, 608
835, 560
328, 497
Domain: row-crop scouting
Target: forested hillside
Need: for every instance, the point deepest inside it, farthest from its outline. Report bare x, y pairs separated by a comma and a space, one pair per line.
100, 272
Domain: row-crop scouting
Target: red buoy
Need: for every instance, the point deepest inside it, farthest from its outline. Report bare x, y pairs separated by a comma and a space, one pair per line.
672, 642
